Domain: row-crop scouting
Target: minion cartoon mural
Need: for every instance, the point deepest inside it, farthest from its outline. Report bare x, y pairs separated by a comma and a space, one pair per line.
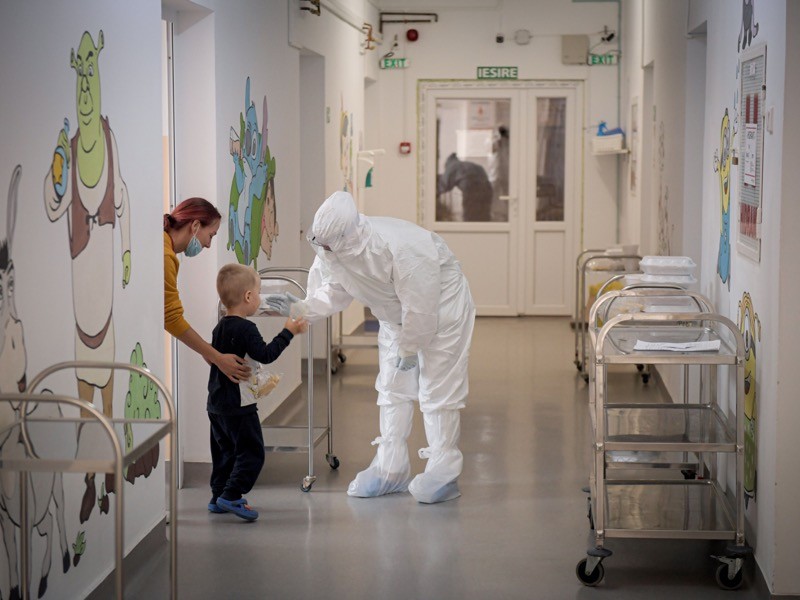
750, 326
85, 184
252, 214
723, 157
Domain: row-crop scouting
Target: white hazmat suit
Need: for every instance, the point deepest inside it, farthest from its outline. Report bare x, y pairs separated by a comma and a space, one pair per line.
413, 284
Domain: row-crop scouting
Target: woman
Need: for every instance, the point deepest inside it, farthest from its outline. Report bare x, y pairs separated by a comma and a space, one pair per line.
189, 228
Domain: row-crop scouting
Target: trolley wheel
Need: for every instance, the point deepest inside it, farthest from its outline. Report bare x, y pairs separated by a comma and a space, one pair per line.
332, 461
334, 369
725, 582
593, 578
645, 378
579, 365
640, 368
586, 377
689, 473
342, 357
308, 481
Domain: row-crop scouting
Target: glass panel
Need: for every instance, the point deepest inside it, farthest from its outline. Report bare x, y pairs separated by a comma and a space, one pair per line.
550, 156
472, 137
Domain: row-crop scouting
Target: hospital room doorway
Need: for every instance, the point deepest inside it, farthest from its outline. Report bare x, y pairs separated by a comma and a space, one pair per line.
498, 168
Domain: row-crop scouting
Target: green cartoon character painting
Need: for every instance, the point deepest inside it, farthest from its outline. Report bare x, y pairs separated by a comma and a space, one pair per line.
85, 184
141, 402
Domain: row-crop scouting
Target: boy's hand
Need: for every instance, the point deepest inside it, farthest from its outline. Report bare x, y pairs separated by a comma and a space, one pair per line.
296, 326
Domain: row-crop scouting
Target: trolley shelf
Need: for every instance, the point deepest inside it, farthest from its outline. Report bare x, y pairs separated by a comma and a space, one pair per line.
623, 338
650, 459
678, 510
288, 438
668, 427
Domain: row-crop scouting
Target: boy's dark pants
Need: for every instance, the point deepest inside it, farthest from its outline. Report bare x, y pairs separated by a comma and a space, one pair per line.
237, 454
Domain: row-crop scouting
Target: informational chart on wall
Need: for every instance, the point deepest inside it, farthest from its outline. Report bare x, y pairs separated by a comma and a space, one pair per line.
751, 107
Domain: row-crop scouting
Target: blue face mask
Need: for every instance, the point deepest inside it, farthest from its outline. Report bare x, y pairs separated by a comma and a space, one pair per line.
194, 247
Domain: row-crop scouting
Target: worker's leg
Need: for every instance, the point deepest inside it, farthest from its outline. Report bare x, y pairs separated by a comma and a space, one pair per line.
390, 470
444, 387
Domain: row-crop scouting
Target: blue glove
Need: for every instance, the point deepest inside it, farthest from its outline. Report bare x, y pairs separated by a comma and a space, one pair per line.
280, 303
406, 363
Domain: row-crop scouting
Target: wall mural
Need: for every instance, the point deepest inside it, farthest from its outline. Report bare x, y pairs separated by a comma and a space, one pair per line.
665, 228
252, 213
346, 149
46, 490
749, 28
141, 402
750, 326
85, 183
723, 157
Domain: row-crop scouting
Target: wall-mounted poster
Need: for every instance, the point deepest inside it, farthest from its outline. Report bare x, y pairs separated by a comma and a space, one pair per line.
752, 92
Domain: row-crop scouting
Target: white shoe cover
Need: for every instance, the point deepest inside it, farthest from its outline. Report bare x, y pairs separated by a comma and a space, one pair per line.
390, 470
439, 482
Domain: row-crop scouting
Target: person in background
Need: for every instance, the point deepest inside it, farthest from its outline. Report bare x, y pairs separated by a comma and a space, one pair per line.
237, 444
189, 228
498, 173
472, 180
413, 284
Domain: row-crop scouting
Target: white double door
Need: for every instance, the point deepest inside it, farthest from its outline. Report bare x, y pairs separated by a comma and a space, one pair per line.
499, 181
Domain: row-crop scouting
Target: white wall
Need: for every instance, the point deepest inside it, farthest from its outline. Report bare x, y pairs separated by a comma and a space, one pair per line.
462, 40
39, 91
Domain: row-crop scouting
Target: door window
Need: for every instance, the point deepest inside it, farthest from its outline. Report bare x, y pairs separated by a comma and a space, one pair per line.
472, 166
550, 157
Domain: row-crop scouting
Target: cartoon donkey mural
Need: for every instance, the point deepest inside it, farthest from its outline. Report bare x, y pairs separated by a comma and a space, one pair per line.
46, 489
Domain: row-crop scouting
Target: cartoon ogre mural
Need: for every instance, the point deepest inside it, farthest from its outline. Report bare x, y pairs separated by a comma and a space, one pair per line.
46, 490
750, 326
722, 165
85, 183
252, 214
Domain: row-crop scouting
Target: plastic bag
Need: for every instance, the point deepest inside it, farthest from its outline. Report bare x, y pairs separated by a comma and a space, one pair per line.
259, 385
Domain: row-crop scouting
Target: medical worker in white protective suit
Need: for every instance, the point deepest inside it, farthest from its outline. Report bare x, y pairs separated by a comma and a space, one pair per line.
413, 284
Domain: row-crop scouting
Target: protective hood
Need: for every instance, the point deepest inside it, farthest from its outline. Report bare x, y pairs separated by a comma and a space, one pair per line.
336, 223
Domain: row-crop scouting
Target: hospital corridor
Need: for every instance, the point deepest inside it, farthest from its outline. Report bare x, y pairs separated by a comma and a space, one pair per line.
451, 299
517, 531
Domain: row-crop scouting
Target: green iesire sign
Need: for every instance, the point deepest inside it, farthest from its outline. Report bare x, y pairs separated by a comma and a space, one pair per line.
498, 72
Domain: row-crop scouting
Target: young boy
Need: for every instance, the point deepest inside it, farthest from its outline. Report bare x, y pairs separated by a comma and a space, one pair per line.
237, 445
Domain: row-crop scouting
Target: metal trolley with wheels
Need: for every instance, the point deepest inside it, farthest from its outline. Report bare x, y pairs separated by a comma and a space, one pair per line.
288, 438
668, 507
35, 440
601, 261
301, 438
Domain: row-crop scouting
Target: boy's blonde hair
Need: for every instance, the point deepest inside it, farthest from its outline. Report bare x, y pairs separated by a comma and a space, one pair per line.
233, 281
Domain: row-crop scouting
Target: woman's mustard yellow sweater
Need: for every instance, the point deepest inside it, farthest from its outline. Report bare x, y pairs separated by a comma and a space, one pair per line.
174, 322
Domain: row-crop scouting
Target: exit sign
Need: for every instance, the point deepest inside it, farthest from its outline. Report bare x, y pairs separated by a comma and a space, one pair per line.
603, 59
498, 72
394, 63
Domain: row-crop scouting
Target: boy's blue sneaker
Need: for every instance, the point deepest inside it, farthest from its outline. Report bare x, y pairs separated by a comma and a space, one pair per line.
212, 507
238, 507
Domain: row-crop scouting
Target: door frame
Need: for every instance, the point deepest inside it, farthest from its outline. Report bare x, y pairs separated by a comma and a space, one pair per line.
519, 184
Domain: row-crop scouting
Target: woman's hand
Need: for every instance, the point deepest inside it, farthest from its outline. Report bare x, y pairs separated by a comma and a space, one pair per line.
234, 367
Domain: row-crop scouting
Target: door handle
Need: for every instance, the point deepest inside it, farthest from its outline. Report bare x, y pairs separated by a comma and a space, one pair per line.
513, 206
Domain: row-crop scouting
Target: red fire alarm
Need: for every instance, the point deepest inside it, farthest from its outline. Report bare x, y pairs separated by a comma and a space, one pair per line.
412, 35
405, 147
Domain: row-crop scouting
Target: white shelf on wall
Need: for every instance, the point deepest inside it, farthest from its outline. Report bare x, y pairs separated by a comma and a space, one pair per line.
609, 144
607, 152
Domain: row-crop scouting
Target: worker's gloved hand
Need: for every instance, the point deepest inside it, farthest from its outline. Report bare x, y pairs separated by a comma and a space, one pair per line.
280, 303
405, 363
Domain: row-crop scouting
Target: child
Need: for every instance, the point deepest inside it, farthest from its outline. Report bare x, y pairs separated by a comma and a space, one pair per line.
237, 445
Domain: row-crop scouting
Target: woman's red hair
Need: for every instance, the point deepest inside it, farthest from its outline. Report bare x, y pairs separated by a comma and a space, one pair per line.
191, 209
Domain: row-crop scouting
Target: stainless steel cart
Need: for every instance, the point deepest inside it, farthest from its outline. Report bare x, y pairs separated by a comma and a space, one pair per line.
660, 507
304, 438
595, 261
113, 457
